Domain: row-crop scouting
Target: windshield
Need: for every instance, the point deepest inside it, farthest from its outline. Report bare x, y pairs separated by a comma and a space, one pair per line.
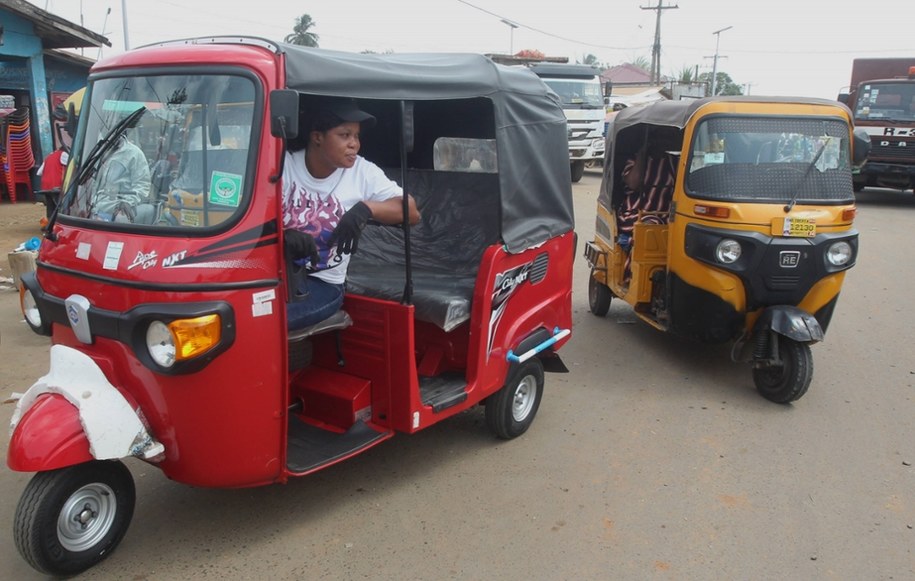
886, 101
771, 160
577, 93
180, 161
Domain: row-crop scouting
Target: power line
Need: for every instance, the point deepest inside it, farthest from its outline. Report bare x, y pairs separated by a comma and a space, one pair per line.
550, 34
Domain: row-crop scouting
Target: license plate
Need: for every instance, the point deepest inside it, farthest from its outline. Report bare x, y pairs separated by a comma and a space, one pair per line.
799, 227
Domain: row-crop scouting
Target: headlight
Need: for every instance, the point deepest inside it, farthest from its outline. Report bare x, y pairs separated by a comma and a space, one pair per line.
727, 251
29, 308
839, 253
161, 344
182, 339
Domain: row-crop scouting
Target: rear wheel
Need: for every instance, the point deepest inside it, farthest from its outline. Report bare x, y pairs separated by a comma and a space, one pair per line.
578, 170
511, 410
789, 381
599, 296
70, 519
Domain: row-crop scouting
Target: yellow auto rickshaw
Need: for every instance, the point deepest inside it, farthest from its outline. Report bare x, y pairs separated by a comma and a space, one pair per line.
730, 219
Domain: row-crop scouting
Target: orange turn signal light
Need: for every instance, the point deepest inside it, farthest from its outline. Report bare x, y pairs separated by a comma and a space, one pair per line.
711, 211
848, 214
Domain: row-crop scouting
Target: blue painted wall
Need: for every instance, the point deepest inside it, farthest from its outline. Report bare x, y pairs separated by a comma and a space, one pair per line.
24, 68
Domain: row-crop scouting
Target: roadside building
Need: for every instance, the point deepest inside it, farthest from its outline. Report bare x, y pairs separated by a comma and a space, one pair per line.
35, 70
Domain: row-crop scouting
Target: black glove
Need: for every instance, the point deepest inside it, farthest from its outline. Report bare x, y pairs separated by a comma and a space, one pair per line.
346, 234
301, 245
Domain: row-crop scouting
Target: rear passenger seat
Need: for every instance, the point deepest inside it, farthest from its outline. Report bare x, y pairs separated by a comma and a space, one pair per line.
460, 219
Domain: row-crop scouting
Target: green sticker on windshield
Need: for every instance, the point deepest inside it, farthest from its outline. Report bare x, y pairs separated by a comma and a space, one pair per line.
225, 189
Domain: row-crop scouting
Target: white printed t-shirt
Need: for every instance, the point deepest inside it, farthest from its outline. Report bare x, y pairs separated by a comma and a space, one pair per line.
315, 206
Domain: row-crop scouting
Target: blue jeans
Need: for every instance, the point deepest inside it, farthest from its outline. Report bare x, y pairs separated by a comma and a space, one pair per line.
318, 300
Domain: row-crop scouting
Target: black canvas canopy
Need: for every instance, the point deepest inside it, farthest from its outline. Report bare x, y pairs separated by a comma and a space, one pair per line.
531, 131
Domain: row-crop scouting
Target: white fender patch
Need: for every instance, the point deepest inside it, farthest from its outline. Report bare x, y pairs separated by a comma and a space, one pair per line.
113, 428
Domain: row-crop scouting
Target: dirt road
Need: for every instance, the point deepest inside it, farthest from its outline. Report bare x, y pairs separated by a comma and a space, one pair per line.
653, 459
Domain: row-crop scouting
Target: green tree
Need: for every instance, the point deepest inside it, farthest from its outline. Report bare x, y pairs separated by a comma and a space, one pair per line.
687, 74
590, 59
724, 85
642, 62
300, 34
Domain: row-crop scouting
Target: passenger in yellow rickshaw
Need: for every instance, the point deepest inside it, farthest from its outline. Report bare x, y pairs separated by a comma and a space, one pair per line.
648, 180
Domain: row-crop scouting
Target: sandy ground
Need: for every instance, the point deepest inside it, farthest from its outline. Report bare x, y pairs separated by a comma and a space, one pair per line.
654, 458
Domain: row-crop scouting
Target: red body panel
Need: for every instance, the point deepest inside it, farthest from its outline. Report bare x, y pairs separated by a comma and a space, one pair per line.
226, 424
235, 407
48, 436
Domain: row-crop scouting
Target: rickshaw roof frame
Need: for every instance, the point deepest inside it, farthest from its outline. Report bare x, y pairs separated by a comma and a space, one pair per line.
531, 129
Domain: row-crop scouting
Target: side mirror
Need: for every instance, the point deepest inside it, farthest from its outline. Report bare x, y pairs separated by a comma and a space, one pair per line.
843, 98
284, 113
861, 146
608, 89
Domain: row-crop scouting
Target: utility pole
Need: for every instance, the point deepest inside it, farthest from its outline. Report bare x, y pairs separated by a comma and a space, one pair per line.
656, 48
511, 34
717, 34
124, 18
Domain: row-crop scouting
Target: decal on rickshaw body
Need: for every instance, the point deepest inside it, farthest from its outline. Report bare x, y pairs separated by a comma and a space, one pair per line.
144, 259
262, 303
506, 284
83, 250
173, 259
113, 255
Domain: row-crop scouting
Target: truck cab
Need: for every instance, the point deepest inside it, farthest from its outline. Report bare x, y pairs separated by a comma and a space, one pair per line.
581, 93
882, 100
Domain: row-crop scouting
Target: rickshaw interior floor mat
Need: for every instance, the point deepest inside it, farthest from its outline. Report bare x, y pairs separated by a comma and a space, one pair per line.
311, 447
443, 391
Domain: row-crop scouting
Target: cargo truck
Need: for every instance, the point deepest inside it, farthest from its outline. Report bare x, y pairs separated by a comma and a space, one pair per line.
581, 93
583, 102
882, 97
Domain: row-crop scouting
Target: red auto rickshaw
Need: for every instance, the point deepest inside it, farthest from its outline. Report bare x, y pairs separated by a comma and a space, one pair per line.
166, 308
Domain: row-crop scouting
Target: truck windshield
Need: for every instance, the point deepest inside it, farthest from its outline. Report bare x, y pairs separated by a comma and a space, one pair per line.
770, 160
886, 102
578, 93
183, 160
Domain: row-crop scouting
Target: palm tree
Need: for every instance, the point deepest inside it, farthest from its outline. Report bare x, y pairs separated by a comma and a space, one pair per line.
642, 62
686, 75
300, 34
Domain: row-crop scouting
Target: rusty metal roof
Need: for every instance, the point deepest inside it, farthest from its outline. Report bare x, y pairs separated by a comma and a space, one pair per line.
54, 31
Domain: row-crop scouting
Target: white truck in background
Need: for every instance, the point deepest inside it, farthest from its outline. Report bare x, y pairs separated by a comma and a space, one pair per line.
582, 95
579, 87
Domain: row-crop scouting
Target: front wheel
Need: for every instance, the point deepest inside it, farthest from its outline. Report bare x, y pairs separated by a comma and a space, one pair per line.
70, 519
578, 170
789, 381
511, 410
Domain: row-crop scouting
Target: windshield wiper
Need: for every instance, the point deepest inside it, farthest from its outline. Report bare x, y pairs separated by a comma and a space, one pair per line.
797, 188
93, 159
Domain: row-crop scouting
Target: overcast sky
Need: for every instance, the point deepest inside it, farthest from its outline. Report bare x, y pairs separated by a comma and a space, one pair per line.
775, 47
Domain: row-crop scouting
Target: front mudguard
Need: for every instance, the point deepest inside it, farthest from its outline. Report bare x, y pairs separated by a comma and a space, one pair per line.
791, 322
72, 415
49, 436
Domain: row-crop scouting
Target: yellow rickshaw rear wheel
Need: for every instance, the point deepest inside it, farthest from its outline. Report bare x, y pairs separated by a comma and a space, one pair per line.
599, 296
